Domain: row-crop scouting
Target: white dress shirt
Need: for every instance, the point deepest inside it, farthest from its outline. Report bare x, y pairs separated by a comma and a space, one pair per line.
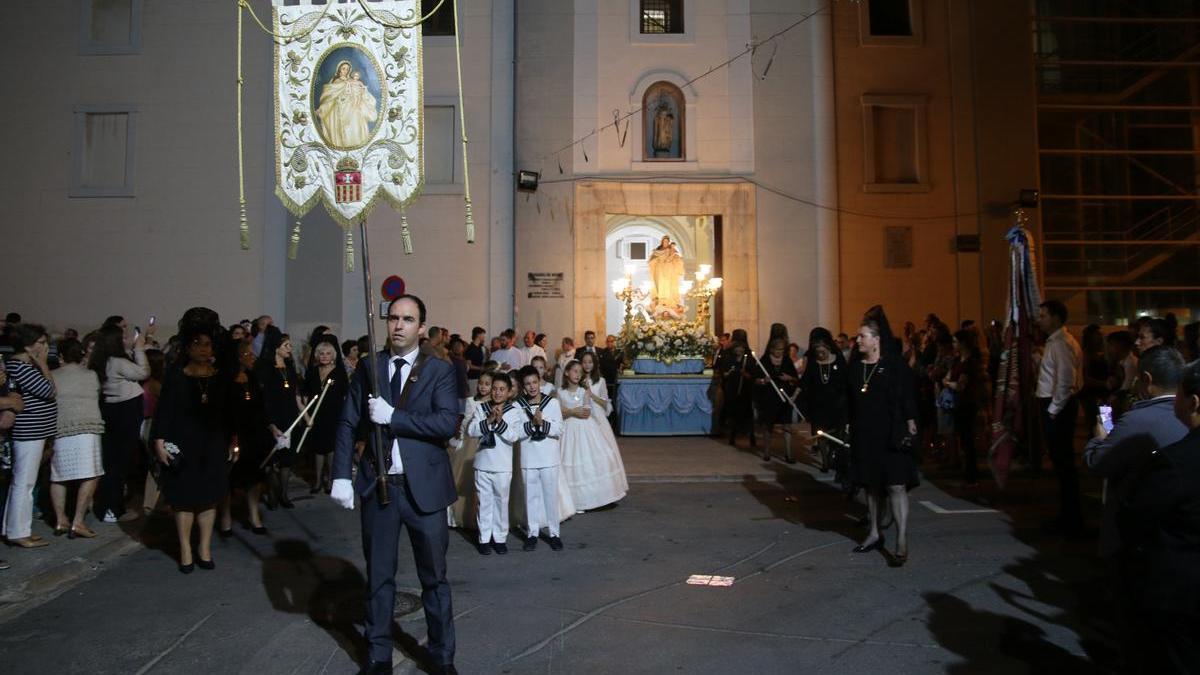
1060, 375
527, 354
410, 358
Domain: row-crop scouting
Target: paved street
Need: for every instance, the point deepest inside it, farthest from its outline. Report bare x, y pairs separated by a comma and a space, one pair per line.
983, 591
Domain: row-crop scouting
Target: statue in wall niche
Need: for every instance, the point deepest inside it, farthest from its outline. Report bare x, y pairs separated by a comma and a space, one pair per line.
664, 128
662, 121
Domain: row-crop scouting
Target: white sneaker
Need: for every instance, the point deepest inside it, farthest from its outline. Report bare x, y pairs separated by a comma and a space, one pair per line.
109, 517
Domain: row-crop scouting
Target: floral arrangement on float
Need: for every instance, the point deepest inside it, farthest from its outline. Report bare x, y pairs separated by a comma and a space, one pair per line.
681, 343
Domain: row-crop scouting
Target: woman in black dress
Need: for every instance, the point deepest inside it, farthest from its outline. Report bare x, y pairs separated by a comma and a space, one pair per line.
194, 440
280, 386
254, 437
737, 381
825, 394
882, 430
327, 365
773, 410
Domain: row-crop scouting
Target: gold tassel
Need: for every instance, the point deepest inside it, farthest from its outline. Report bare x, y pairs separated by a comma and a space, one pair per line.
470, 222
294, 243
243, 225
349, 250
405, 234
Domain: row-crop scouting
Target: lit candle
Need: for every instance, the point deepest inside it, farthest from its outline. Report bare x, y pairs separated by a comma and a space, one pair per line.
715, 283
704, 271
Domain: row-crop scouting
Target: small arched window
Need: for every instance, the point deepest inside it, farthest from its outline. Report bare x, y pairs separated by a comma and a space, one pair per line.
663, 109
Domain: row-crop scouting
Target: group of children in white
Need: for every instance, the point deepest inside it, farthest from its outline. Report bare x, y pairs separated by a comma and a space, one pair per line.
558, 441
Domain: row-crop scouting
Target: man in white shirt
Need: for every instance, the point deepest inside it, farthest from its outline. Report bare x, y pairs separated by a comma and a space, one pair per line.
508, 358
530, 350
1060, 376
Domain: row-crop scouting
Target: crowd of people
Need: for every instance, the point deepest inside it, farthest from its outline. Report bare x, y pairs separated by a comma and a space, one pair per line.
219, 415
928, 394
224, 411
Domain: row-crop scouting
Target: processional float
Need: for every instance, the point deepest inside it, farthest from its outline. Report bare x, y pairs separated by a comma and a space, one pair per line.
348, 124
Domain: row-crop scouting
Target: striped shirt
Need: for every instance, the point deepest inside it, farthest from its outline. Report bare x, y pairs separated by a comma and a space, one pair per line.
39, 419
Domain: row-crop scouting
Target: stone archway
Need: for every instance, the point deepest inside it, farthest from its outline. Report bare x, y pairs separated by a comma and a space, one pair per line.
734, 202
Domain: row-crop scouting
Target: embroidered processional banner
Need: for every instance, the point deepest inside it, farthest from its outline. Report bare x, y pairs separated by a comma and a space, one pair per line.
348, 106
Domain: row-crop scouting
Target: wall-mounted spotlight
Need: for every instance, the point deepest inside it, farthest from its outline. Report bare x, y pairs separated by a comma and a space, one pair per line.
527, 181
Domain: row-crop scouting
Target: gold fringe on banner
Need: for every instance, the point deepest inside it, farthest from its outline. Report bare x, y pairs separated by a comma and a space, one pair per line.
462, 112
349, 250
243, 224
294, 242
405, 234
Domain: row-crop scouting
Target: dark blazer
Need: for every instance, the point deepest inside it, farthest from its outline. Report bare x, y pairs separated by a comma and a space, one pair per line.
428, 419
1159, 520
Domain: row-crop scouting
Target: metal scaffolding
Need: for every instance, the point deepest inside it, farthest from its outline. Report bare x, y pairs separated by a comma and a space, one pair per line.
1118, 125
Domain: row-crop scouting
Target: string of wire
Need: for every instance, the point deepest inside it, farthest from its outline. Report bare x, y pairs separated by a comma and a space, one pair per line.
724, 178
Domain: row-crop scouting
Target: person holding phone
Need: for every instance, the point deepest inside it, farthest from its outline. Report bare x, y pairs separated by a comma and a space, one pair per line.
122, 407
1147, 426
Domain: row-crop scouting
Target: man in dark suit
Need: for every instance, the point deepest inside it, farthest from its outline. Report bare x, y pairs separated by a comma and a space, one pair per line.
1159, 520
419, 412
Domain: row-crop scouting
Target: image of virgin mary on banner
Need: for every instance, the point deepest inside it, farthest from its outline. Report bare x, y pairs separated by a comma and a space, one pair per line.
348, 106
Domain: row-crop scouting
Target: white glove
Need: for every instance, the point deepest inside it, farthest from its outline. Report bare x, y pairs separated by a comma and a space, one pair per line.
381, 411
343, 493
283, 442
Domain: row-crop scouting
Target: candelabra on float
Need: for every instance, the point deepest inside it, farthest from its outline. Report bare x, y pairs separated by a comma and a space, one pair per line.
702, 291
627, 293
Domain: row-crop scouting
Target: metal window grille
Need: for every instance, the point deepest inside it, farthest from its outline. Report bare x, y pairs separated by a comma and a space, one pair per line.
662, 16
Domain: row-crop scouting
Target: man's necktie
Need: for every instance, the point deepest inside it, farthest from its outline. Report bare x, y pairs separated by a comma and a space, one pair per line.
398, 380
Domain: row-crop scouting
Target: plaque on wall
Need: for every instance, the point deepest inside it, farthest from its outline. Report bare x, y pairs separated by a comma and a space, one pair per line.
897, 247
545, 285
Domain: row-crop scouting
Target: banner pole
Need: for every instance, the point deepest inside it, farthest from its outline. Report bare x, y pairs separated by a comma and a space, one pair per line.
381, 488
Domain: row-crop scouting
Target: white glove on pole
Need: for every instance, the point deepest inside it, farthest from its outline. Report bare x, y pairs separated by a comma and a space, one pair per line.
283, 442
381, 411
343, 493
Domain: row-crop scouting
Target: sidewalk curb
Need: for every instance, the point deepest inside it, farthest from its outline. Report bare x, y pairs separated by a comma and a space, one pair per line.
46, 586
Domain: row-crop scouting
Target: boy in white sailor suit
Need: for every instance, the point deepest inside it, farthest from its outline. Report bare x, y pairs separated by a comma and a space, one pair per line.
542, 427
498, 425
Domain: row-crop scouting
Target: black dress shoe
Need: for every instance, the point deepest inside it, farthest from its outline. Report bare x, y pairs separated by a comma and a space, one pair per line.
556, 544
484, 549
188, 568
258, 530
376, 668
500, 548
225, 534
206, 564
876, 545
530, 544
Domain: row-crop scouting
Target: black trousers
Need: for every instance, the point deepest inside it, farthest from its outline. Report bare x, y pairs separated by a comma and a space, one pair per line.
430, 537
122, 435
1059, 432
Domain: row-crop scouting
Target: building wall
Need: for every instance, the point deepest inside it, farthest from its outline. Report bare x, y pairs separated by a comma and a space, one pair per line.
739, 128
72, 261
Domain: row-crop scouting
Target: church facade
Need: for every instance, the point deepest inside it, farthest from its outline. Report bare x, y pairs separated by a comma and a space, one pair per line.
819, 157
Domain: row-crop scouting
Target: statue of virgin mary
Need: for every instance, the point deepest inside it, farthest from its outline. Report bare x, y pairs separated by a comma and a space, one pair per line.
666, 267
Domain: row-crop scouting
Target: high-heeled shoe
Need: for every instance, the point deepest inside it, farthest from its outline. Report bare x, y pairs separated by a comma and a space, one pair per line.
258, 529
206, 564
225, 534
898, 559
876, 545
188, 568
